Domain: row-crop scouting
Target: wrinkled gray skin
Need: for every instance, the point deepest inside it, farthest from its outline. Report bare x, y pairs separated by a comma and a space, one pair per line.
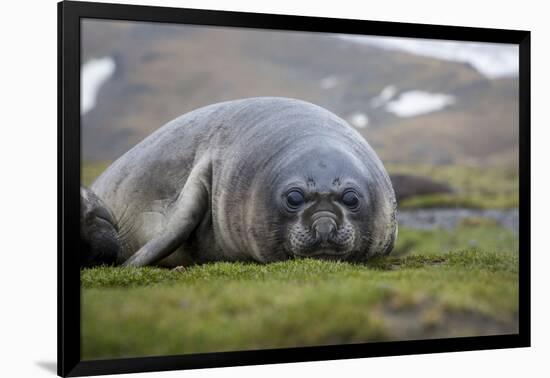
213, 185
99, 242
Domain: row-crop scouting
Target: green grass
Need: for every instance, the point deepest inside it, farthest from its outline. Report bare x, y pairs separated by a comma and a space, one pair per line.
476, 187
425, 292
469, 234
437, 283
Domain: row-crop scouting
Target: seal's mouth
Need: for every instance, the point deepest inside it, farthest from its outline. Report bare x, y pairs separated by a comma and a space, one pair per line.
323, 248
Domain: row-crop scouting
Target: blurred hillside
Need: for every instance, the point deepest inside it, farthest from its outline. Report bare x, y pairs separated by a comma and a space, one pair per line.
163, 71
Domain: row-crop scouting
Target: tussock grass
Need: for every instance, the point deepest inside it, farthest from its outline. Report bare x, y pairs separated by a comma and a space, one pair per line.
243, 306
477, 187
468, 235
437, 283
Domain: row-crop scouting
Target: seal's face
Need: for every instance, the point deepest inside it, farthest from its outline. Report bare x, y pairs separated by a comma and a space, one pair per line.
326, 209
326, 221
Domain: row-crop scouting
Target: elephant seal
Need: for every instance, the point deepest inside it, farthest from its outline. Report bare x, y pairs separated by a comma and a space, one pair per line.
259, 179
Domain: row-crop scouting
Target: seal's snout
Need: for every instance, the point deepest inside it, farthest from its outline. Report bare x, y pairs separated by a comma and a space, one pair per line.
324, 228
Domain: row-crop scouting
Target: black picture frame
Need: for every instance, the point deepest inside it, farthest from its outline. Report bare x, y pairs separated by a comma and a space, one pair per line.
69, 16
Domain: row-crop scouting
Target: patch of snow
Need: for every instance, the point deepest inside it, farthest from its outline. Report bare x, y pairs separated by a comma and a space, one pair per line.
359, 120
93, 74
385, 95
413, 103
329, 82
490, 59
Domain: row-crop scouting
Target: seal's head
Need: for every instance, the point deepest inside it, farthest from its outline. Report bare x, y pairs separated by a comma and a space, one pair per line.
304, 184
334, 206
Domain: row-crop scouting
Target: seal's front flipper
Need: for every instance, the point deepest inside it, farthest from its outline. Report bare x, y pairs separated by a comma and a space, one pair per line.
189, 209
99, 244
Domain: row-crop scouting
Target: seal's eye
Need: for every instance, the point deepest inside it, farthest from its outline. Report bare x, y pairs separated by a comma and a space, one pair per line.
350, 199
295, 199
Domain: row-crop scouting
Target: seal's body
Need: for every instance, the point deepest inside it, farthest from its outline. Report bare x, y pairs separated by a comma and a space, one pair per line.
259, 179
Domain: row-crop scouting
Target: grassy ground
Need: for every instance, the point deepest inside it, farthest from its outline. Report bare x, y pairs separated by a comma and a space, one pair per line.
437, 283
424, 293
475, 187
